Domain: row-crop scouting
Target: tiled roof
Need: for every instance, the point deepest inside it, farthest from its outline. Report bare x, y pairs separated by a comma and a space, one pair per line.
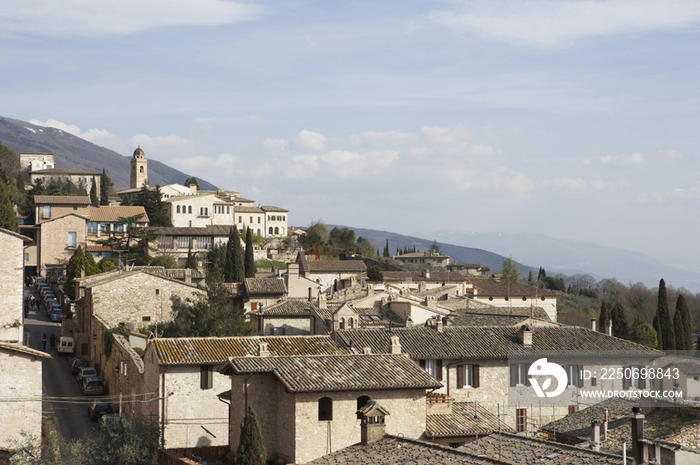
209, 230
578, 424
327, 313
350, 266
61, 200
201, 350
337, 372
290, 307
98, 248
457, 342
392, 450
244, 209
487, 287
105, 213
20, 349
482, 319
461, 422
688, 365
415, 276
270, 208
254, 286
18, 236
517, 312
520, 450
373, 316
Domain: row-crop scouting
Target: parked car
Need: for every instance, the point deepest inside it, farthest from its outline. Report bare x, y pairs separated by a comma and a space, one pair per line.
56, 314
77, 365
98, 408
86, 372
107, 420
65, 346
93, 387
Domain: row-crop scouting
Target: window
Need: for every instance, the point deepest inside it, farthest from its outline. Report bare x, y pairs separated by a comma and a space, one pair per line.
146, 318
573, 372
341, 323
361, 401
518, 374
104, 227
506, 298
118, 227
92, 227
325, 409
468, 376
521, 420
271, 229
277, 230
189, 209
631, 378
184, 242
72, 239
203, 242
165, 242
47, 211
227, 210
26, 257
178, 209
524, 298
157, 291
350, 323
258, 223
206, 379
573, 409
433, 367
75, 208
240, 219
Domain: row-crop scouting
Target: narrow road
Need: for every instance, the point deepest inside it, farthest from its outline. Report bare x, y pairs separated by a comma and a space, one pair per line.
67, 403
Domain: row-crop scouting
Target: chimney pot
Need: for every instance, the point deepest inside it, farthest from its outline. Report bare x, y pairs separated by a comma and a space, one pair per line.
367, 351
395, 345
526, 336
263, 349
594, 324
608, 327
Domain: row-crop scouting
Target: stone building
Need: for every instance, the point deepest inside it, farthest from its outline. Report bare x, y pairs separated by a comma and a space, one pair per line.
58, 239
196, 414
503, 293
424, 258
35, 161
49, 207
79, 177
308, 406
332, 275
11, 285
177, 242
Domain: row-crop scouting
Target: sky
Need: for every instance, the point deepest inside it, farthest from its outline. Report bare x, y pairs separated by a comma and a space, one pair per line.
574, 119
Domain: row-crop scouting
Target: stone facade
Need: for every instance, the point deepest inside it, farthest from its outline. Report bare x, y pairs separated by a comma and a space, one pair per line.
11, 280
24, 388
286, 326
197, 211
55, 248
547, 303
290, 422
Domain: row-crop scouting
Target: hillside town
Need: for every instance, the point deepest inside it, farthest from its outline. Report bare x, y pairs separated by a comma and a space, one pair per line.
199, 310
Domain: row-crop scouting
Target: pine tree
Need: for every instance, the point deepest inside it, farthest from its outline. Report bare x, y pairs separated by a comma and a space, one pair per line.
125, 201
251, 446
679, 331
105, 184
93, 194
8, 220
604, 316
667, 336
510, 271
682, 306
249, 263
619, 321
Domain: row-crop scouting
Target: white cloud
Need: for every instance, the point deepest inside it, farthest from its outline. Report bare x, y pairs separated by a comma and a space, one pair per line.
636, 160
600, 185
671, 156
384, 139
224, 164
100, 137
309, 140
262, 170
467, 178
418, 152
570, 184
99, 18
560, 23
302, 166
347, 164
214, 122
159, 142
439, 135
274, 146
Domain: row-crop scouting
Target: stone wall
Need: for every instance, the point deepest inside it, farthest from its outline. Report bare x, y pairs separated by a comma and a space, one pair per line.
11, 280
292, 326
23, 384
53, 242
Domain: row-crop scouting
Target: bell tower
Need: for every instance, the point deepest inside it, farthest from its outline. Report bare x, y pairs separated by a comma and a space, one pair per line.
139, 169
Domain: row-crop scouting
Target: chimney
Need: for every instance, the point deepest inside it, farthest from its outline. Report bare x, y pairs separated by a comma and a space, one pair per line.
322, 301
193, 189
263, 349
639, 448
395, 345
188, 276
438, 323
595, 435
372, 423
608, 327
526, 336
427, 274
594, 324
367, 351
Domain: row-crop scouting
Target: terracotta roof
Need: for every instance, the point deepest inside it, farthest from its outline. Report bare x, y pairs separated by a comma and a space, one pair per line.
688, 365
209, 230
578, 424
270, 208
518, 450
415, 276
336, 372
255, 286
200, 350
486, 287
461, 422
61, 200
290, 307
105, 213
20, 349
350, 266
481, 319
391, 450
478, 342
244, 209
98, 248
524, 312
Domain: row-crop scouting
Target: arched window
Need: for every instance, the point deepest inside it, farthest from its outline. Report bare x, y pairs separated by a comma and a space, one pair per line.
325, 409
178, 208
350, 323
270, 229
141, 169
341, 323
277, 230
189, 209
361, 401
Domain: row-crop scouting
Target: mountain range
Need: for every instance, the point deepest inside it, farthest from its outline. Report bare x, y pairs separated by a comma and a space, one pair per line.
73, 152
530, 251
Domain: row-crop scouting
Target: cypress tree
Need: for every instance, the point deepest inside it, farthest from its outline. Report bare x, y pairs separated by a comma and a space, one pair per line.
105, 184
235, 271
251, 446
93, 193
657, 328
386, 249
667, 336
679, 331
604, 316
619, 319
8, 220
682, 306
191, 259
249, 264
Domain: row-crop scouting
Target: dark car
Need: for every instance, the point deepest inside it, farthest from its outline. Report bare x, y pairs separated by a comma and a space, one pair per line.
77, 365
97, 409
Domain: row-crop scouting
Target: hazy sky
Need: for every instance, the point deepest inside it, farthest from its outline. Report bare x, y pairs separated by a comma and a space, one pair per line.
575, 119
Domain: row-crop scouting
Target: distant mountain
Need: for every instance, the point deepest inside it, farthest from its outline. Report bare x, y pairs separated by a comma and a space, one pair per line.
74, 152
455, 252
574, 257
